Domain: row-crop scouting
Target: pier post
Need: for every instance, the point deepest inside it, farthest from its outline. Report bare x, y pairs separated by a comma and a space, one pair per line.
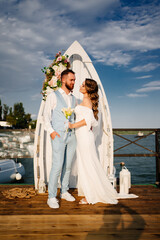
157, 139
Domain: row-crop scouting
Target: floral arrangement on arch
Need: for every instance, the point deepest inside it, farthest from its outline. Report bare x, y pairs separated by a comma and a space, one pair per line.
53, 74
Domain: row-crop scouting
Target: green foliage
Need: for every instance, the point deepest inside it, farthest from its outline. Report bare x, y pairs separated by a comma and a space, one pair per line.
5, 111
11, 119
0, 110
22, 120
33, 124
17, 118
59, 83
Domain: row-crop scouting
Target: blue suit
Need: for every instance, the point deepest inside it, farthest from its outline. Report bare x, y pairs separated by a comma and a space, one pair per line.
63, 149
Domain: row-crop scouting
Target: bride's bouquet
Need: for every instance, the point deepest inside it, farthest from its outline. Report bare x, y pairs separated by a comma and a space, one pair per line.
67, 113
53, 74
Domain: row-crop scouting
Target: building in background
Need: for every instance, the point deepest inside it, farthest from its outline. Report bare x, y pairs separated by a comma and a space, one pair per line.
4, 124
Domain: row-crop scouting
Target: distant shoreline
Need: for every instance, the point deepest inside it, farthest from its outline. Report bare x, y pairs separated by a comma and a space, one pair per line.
16, 130
131, 132
114, 131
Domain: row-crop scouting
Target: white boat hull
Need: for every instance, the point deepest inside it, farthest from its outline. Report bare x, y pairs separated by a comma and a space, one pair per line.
9, 169
82, 65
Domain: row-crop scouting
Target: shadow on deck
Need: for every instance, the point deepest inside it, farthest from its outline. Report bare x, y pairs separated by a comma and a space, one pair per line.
130, 219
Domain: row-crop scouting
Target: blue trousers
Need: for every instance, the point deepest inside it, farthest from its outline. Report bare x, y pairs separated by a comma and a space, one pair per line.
62, 153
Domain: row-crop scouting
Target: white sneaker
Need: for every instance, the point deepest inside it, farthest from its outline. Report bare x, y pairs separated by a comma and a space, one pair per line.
67, 196
53, 203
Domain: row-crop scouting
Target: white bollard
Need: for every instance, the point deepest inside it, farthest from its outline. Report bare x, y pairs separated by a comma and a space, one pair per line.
125, 180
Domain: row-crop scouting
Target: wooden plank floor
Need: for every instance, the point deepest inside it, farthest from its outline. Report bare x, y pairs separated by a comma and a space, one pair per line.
130, 219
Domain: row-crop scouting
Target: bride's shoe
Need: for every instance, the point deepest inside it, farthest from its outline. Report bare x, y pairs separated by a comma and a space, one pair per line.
83, 201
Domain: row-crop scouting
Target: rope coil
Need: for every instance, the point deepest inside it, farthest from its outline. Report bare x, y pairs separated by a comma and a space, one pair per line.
19, 193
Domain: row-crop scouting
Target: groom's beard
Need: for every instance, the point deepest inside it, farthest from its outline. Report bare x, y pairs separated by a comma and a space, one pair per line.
70, 88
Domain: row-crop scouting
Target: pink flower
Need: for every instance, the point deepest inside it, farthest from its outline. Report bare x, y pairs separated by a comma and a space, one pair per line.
50, 83
58, 74
59, 59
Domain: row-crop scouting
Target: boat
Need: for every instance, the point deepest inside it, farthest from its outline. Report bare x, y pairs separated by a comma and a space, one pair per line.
10, 171
83, 67
139, 134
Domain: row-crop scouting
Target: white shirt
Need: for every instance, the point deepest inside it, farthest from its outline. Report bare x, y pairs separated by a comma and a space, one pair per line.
50, 105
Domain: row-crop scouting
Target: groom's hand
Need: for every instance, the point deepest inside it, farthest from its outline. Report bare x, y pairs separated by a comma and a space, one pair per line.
53, 135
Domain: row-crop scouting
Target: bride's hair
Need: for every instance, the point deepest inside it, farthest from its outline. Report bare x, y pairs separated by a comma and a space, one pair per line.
91, 87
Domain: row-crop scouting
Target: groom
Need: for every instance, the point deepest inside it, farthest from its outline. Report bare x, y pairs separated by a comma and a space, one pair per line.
63, 149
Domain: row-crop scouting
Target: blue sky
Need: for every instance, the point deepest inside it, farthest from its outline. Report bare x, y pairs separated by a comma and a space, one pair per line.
121, 37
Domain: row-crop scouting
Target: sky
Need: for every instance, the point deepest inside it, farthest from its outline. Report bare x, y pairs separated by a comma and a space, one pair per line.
122, 38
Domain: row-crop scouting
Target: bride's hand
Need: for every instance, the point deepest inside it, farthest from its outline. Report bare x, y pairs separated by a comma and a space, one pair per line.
70, 125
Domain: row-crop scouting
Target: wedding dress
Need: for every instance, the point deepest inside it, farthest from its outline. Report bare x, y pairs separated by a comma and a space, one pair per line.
92, 180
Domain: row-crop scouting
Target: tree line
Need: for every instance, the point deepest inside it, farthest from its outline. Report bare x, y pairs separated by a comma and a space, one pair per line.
16, 116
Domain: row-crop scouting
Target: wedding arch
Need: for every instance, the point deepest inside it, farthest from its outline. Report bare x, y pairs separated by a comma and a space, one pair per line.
83, 67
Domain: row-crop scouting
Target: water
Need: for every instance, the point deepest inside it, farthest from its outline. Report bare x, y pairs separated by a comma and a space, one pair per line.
143, 169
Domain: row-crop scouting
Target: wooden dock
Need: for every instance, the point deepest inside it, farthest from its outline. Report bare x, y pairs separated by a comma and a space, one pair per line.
130, 219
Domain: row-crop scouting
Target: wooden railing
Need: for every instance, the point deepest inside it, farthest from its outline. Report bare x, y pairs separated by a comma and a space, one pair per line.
152, 153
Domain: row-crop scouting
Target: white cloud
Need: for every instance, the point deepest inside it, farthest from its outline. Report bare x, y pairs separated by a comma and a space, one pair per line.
144, 77
152, 84
135, 95
50, 26
149, 87
33, 116
85, 12
145, 68
124, 39
36, 96
28, 41
85, 5
33, 31
111, 58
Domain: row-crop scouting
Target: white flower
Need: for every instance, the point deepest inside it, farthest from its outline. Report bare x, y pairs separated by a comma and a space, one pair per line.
58, 74
55, 68
53, 82
58, 70
54, 79
48, 90
61, 67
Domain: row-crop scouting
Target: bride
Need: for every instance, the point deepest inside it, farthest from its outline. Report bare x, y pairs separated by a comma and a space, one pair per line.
93, 183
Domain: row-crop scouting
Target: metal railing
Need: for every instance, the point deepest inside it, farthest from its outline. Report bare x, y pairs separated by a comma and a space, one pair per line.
152, 153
